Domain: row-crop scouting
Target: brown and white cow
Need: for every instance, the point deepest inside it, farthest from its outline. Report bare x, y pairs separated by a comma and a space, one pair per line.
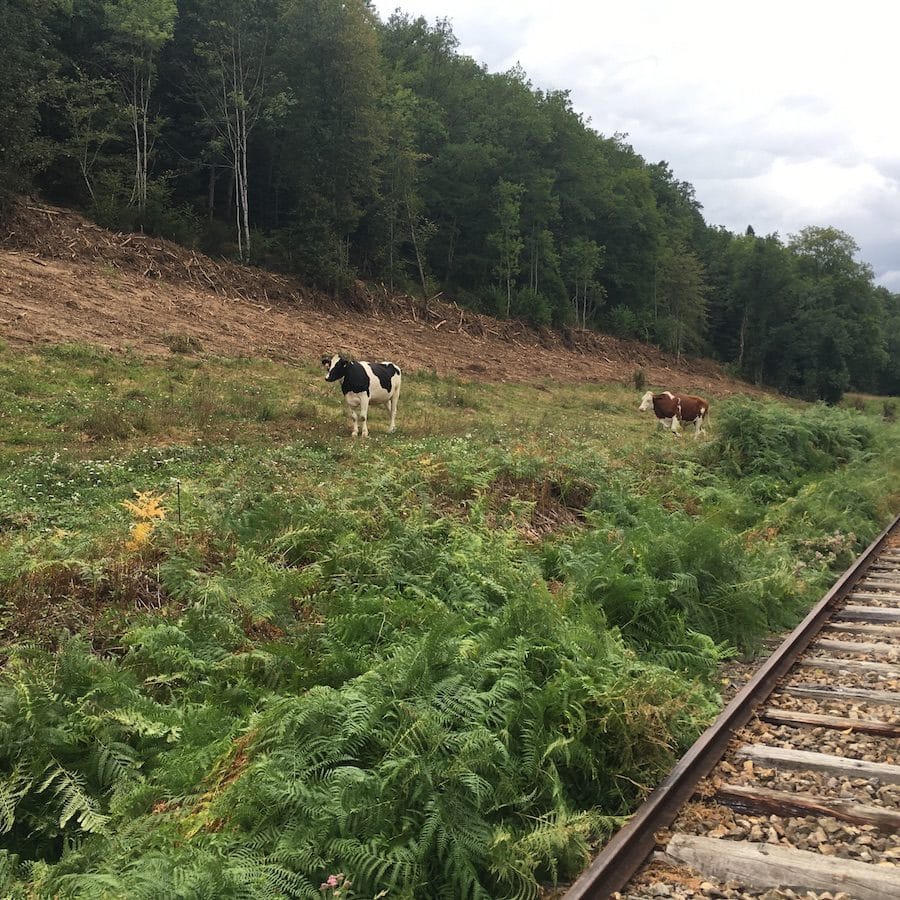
673, 409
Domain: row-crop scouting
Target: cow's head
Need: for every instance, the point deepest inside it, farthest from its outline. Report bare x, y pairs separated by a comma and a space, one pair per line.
646, 402
335, 367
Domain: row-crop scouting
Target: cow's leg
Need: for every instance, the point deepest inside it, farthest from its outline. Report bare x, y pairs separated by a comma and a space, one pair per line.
392, 409
352, 401
698, 426
364, 413
675, 426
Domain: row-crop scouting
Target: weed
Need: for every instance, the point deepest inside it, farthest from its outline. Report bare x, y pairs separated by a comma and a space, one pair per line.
82, 354
303, 410
117, 420
182, 343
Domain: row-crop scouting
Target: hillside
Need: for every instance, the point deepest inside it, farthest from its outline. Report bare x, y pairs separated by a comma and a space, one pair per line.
64, 279
242, 653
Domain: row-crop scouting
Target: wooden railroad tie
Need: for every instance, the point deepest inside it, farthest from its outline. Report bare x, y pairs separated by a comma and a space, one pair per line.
780, 757
820, 692
884, 581
760, 800
889, 631
868, 614
837, 723
767, 865
891, 600
892, 651
849, 665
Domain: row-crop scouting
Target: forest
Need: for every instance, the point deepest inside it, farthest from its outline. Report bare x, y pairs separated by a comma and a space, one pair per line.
311, 137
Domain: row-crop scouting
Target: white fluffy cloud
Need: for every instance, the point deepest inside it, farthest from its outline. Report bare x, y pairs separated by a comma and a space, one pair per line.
781, 114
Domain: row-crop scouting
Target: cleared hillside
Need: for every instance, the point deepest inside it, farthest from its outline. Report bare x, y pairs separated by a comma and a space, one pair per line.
64, 279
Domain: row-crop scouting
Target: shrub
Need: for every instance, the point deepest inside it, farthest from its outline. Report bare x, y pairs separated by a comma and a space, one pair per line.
532, 306
182, 343
623, 322
770, 440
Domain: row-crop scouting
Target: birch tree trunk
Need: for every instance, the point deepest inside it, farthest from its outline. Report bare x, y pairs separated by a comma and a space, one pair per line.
415, 243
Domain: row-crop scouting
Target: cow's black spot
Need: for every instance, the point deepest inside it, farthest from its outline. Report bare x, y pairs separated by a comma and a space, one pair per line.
356, 379
384, 372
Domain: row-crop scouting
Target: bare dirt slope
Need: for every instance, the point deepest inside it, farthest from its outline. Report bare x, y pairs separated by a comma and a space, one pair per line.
65, 279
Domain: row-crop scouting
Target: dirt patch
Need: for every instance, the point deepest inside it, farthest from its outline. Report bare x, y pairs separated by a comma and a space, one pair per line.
60, 598
554, 506
64, 279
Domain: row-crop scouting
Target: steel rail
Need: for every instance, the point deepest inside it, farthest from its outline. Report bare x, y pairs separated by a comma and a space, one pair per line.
629, 847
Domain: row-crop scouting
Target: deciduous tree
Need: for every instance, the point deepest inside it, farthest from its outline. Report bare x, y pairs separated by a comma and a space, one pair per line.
507, 239
141, 28
232, 81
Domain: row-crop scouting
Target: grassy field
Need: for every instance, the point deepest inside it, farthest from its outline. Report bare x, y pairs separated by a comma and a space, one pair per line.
245, 656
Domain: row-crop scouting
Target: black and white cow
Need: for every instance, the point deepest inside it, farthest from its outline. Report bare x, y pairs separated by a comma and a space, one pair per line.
364, 383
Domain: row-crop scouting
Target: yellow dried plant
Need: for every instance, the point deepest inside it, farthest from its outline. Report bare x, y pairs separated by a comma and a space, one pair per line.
147, 511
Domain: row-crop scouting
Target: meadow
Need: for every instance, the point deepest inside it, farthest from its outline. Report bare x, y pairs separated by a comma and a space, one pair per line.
246, 656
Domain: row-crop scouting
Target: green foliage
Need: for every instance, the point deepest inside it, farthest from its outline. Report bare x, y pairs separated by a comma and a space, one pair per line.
76, 733
582, 259
507, 239
532, 306
756, 439
680, 591
111, 206
27, 79
683, 291
443, 669
806, 317
623, 322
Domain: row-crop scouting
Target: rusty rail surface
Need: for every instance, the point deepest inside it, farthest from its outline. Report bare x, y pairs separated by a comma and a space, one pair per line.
618, 861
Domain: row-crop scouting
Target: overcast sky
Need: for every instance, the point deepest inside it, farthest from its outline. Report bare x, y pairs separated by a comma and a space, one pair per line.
780, 114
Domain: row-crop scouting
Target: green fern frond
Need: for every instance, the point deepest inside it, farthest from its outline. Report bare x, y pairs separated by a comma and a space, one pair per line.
13, 787
74, 802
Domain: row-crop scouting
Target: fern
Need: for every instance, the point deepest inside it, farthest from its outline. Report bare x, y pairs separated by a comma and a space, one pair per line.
72, 799
13, 787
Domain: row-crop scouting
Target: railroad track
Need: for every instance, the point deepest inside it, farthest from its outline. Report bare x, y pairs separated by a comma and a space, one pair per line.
794, 791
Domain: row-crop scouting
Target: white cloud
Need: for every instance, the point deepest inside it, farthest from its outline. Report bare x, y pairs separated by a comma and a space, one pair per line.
891, 280
779, 113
